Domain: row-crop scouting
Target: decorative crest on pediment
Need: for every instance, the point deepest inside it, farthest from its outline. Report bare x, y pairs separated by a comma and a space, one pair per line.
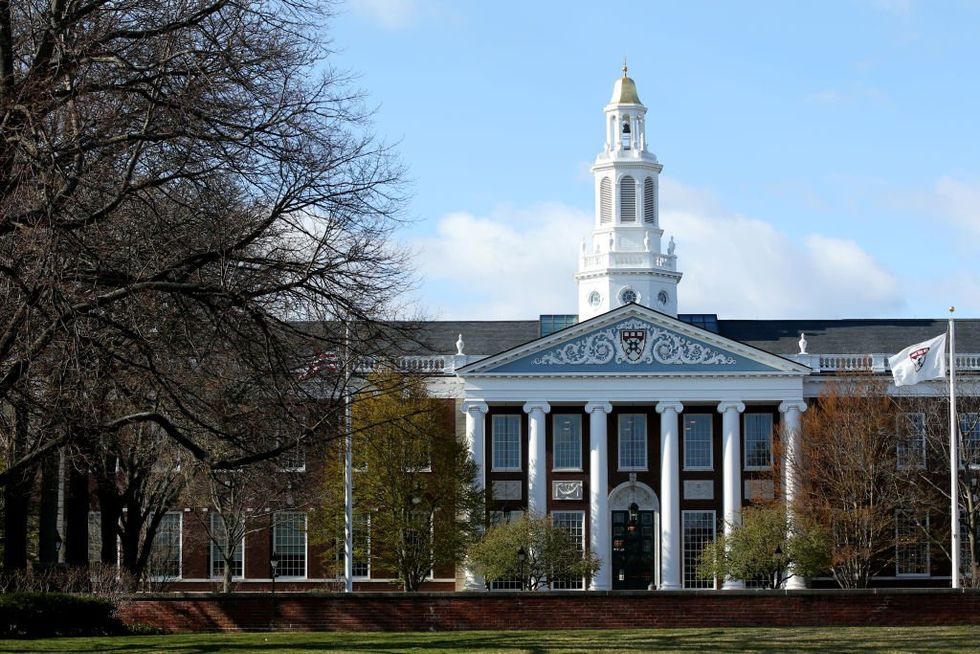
634, 341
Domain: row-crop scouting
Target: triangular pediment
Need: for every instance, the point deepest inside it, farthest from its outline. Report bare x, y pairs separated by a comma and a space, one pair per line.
633, 340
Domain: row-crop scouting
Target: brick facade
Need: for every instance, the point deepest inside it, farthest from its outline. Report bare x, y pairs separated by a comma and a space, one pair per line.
555, 610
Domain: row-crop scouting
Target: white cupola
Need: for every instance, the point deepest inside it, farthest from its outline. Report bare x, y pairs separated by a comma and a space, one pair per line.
624, 262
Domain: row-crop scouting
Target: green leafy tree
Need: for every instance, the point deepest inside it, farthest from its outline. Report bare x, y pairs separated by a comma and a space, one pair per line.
760, 549
532, 550
414, 479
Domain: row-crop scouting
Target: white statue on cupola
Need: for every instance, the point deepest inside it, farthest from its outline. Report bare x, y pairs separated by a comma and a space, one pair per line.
625, 263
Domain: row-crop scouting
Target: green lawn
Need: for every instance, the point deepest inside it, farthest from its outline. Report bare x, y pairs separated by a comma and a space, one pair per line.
857, 639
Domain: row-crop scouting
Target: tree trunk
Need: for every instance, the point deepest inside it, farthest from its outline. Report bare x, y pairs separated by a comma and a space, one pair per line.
111, 511
76, 517
16, 496
47, 528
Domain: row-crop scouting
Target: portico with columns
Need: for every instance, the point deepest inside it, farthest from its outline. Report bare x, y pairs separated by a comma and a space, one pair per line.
603, 418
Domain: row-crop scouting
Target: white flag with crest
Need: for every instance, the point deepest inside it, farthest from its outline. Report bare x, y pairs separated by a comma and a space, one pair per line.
919, 362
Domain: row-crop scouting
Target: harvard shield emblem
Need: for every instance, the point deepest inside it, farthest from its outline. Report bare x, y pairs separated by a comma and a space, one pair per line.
918, 357
633, 341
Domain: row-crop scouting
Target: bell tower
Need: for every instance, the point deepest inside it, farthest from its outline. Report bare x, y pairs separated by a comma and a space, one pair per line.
623, 262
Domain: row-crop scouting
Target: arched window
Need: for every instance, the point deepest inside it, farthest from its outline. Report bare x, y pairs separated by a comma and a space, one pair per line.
625, 134
627, 200
605, 200
649, 201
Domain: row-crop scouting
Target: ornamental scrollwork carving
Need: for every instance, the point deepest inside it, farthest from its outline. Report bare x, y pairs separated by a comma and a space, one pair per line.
634, 341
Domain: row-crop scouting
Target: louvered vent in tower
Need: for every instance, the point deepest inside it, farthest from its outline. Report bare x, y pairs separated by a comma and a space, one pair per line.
627, 200
605, 200
649, 201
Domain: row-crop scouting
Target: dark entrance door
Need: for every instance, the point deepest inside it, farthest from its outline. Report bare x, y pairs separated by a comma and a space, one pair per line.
633, 557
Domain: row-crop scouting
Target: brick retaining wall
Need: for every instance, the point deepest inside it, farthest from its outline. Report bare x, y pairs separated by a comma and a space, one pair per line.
555, 610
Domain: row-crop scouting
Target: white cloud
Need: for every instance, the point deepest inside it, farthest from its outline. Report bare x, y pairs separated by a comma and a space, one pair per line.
390, 14
740, 267
519, 263
513, 264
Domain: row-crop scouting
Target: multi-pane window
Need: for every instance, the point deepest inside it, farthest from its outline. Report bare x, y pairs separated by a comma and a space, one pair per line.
697, 441
418, 537
94, 537
573, 523
293, 459
361, 537
417, 455
966, 550
164, 561
911, 544
219, 549
758, 440
698, 529
568, 442
911, 451
500, 518
970, 438
632, 441
506, 442
289, 543
361, 542
504, 517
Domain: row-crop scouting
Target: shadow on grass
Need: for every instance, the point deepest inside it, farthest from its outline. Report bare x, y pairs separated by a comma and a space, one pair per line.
860, 640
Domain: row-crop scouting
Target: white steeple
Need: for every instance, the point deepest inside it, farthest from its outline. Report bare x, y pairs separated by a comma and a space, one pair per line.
623, 263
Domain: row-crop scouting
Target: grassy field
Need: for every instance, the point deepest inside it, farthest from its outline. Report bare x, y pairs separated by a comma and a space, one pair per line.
863, 639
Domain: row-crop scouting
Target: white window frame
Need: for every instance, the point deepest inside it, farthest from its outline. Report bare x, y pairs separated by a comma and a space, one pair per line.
684, 550
276, 521
493, 443
969, 420
908, 515
745, 440
619, 443
296, 449
711, 441
180, 549
95, 538
914, 458
213, 547
554, 442
430, 575
580, 516
339, 549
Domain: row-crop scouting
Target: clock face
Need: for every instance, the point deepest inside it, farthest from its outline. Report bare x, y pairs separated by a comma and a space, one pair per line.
662, 298
595, 299
627, 295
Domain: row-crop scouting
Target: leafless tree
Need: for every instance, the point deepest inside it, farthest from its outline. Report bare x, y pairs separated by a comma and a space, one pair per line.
186, 190
927, 434
849, 478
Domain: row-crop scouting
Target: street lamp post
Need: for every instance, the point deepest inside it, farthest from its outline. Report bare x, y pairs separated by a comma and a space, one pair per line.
274, 562
522, 561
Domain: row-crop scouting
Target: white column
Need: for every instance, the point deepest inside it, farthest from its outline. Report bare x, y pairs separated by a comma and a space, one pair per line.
670, 496
731, 473
537, 473
600, 536
476, 411
792, 412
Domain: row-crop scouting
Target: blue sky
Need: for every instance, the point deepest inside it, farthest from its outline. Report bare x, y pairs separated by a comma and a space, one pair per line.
820, 159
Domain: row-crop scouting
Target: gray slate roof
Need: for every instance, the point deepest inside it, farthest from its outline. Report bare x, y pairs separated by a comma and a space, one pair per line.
865, 336
868, 336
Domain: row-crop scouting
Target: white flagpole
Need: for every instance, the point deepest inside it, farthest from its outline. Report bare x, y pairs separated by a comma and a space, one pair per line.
348, 471
954, 458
